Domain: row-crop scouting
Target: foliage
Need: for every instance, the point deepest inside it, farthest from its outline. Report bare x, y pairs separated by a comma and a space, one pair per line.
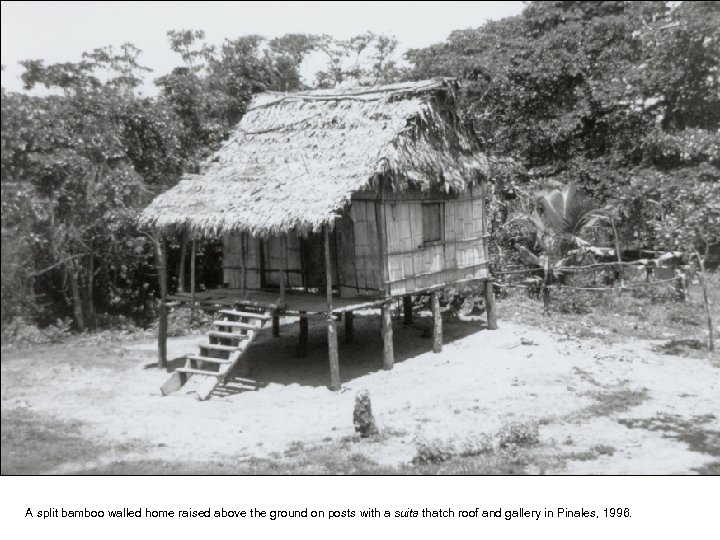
20, 331
559, 218
519, 434
583, 91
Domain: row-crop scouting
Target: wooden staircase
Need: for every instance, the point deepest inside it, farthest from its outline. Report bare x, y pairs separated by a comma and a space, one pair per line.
205, 371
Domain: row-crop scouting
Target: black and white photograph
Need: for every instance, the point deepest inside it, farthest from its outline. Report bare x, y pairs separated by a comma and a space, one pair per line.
361, 238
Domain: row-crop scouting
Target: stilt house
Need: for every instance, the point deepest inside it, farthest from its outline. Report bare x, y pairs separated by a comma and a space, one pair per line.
332, 200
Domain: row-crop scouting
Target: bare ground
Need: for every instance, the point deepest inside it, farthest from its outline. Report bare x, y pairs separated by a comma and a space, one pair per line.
599, 408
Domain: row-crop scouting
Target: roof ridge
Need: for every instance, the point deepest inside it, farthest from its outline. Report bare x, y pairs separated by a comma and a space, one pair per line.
361, 93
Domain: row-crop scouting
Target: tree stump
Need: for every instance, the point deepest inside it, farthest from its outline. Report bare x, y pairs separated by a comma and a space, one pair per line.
363, 416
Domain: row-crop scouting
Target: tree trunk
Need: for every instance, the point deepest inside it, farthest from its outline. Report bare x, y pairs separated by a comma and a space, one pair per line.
91, 315
192, 281
617, 252
72, 273
161, 265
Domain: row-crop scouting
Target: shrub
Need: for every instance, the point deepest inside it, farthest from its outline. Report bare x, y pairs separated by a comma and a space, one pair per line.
519, 434
433, 451
20, 331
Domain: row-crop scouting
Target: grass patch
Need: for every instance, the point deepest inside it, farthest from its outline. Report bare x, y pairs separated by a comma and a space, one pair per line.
691, 431
640, 314
35, 444
613, 401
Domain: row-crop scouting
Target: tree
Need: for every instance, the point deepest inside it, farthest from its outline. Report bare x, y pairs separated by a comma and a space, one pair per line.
594, 93
75, 171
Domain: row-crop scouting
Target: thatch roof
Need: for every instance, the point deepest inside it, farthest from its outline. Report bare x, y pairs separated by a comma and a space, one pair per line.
296, 159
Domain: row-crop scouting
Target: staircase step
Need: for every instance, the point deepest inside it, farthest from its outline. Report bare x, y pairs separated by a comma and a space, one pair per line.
208, 359
227, 335
236, 324
216, 347
201, 372
248, 314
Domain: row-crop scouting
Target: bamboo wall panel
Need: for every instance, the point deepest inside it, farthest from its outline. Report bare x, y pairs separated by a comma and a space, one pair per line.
272, 248
413, 265
367, 258
347, 277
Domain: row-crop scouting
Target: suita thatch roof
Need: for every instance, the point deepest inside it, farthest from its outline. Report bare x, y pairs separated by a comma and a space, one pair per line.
295, 159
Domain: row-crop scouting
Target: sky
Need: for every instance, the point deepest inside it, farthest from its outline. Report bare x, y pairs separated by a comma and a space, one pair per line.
62, 31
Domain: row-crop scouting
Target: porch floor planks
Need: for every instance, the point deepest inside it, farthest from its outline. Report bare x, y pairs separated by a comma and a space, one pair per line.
295, 301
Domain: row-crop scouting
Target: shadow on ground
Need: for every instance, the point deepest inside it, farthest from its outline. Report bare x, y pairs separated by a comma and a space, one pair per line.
275, 360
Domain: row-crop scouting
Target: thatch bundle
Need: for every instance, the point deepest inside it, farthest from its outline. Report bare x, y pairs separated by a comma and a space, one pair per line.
295, 159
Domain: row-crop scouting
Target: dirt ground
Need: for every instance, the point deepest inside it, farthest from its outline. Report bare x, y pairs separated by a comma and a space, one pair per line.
600, 408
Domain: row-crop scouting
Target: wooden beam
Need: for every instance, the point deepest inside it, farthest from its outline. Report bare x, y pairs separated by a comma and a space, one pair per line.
349, 326
331, 330
387, 335
490, 305
303, 341
407, 309
437, 322
161, 245
192, 280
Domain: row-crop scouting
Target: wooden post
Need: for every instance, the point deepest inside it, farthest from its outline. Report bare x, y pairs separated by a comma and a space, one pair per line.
331, 330
283, 267
163, 322
407, 309
243, 263
545, 261
381, 224
349, 326
437, 322
490, 305
181, 263
387, 335
281, 280
276, 324
303, 341
192, 280
701, 262
619, 258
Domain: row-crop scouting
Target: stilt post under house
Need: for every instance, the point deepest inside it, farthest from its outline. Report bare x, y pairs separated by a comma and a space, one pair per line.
303, 340
490, 305
407, 309
387, 335
349, 326
331, 330
437, 322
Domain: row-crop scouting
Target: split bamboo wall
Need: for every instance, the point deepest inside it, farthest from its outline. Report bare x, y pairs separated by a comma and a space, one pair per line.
412, 263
